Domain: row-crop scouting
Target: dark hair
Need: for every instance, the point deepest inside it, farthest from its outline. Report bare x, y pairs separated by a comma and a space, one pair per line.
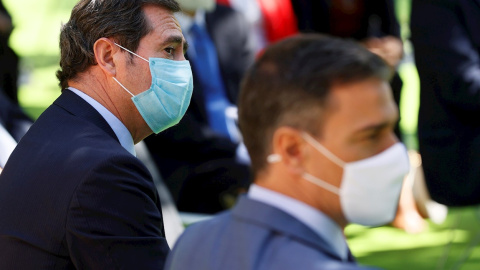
289, 85
91, 20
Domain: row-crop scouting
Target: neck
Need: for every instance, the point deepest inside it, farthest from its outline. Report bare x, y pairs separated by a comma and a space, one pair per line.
99, 90
302, 190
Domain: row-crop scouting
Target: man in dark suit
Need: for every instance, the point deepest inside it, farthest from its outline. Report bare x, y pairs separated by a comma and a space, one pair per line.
446, 39
317, 117
73, 195
203, 164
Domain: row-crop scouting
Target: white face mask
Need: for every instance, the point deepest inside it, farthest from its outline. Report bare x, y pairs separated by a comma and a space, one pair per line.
193, 5
370, 187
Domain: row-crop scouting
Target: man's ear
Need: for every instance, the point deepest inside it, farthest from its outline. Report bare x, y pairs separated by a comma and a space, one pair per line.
289, 145
105, 50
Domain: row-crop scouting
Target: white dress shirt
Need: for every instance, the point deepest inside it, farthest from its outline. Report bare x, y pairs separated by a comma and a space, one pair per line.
117, 126
320, 223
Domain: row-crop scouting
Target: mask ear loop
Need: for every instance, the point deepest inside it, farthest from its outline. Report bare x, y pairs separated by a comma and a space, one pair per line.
136, 56
131, 52
323, 150
123, 87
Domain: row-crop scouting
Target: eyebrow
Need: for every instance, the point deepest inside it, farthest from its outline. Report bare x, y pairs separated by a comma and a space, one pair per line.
176, 40
374, 127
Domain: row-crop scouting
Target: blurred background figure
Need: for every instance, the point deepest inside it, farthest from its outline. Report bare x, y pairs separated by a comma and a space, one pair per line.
202, 159
14, 123
269, 20
372, 22
446, 39
9, 61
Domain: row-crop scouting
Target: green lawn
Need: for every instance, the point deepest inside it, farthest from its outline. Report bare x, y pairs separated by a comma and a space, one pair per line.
37, 26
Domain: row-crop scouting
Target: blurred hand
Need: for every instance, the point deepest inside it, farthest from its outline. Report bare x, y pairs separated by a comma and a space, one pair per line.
389, 48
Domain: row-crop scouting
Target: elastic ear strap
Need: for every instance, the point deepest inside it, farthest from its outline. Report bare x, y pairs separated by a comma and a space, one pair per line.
323, 150
321, 183
123, 87
131, 52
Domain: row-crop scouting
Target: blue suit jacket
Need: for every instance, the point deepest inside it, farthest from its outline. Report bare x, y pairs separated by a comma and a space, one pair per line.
253, 235
446, 39
72, 197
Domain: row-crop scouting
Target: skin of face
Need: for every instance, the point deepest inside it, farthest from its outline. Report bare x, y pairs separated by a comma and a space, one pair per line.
164, 41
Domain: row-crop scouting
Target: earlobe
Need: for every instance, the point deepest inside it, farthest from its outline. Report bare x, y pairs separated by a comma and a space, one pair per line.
104, 50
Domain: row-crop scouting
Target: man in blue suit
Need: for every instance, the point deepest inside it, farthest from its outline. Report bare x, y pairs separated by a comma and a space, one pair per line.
73, 195
317, 117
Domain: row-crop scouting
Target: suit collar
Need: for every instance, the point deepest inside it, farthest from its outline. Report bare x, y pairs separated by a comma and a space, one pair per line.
75, 105
276, 220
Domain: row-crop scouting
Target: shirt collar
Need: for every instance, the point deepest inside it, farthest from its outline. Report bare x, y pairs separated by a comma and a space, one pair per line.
320, 223
117, 126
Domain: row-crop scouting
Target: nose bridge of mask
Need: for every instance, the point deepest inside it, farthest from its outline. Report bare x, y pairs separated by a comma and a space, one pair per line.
323, 150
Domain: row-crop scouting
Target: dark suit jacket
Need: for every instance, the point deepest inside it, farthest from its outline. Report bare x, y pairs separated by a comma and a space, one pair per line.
72, 197
192, 148
253, 235
446, 39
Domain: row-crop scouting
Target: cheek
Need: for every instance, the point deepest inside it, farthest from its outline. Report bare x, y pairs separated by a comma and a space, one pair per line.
142, 78
325, 169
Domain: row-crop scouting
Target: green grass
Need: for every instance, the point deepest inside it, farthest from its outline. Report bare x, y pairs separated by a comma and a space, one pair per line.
37, 27
443, 246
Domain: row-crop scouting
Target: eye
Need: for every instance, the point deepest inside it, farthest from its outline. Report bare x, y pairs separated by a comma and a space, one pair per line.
170, 50
371, 136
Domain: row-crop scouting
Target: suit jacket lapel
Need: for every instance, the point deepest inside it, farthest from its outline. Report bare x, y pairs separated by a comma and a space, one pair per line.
75, 105
277, 220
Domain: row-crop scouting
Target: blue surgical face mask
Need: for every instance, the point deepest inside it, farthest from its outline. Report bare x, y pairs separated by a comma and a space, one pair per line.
166, 101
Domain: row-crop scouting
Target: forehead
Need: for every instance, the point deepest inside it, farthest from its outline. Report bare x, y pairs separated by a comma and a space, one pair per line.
162, 22
361, 104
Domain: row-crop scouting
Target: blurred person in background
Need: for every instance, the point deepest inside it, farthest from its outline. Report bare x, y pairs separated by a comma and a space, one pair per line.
269, 20
317, 117
73, 194
202, 159
9, 60
446, 39
373, 23
14, 123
